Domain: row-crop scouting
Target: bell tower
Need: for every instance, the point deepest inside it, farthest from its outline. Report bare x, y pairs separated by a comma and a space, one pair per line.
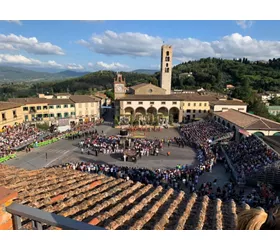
166, 68
119, 86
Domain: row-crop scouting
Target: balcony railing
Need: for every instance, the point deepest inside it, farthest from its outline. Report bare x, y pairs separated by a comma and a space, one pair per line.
40, 218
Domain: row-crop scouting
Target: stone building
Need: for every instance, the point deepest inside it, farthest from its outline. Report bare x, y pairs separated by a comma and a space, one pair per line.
244, 124
145, 101
11, 114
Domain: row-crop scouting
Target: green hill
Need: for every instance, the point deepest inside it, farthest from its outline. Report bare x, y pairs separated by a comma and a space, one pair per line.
99, 80
213, 73
14, 74
145, 71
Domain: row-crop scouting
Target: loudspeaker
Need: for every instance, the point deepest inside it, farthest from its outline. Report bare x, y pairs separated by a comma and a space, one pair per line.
124, 132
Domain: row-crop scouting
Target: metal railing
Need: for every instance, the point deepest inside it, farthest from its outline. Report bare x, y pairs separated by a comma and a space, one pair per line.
40, 218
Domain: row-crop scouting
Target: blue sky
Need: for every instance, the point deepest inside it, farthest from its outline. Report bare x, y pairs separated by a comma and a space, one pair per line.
129, 45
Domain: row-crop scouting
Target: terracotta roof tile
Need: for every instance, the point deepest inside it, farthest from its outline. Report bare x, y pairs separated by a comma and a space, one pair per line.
115, 203
82, 98
228, 102
248, 121
59, 101
8, 105
29, 100
141, 85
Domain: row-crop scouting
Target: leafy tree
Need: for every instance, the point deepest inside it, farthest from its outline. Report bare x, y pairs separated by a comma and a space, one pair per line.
275, 101
110, 94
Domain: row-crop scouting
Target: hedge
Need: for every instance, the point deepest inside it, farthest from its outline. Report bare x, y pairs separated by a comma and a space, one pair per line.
44, 143
7, 157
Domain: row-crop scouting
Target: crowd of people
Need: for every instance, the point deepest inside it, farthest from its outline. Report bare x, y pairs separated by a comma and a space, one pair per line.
200, 135
13, 138
101, 143
182, 177
250, 155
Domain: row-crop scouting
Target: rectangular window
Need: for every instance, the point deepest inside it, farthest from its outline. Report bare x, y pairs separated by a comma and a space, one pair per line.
204, 111
174, 102
128, 102
152, 102
4, 116
162, 102
26, 117
51, 107
205, 104
199, 111
15, 113
39, 107
51, 115
200, 104
45, 107
166, 70
65, 105
58, 106
140, 103
189, 104
25, 108
194, 111
189, 111
72, 113
194, 104
45, 115
72, 105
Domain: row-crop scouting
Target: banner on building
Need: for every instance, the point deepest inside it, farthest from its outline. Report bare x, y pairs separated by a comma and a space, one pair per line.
63, 122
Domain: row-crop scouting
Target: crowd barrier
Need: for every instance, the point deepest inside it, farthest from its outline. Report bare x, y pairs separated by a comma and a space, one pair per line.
44, 143
7, 157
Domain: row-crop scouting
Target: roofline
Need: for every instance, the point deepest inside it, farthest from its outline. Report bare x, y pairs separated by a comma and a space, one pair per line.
259, 117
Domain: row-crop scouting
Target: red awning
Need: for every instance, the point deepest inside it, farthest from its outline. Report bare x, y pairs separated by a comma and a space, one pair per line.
244, 132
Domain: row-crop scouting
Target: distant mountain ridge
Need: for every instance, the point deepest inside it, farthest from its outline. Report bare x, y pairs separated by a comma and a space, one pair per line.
15, 74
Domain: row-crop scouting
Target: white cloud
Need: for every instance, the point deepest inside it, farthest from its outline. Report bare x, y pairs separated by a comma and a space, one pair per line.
138, 44
20, 60
18, 22
244, 24
17, 60
108, 66
135, 44
29, 44
74, 66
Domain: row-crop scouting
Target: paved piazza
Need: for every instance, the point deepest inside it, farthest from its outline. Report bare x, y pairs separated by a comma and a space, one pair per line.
67, 151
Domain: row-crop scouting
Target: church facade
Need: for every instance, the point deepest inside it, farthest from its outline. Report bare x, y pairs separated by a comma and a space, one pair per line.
146, 103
